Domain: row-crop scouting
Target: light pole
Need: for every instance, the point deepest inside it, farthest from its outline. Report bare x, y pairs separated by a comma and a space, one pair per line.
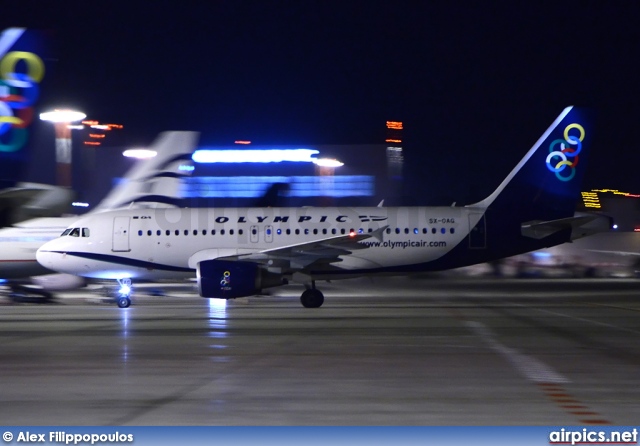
61, 120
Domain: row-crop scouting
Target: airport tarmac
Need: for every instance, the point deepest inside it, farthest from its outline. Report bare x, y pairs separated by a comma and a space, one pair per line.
399, 351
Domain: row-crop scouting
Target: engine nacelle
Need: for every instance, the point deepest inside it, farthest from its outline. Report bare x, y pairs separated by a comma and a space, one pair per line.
224, 279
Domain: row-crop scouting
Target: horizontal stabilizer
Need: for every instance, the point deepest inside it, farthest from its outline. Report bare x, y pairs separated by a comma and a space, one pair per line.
581, 225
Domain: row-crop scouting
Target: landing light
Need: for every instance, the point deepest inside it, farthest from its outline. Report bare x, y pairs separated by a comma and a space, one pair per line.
328, 162
125, 290
139, 153
615, 226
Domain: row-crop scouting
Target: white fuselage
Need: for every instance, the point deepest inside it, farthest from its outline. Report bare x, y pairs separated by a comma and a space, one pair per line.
168, 243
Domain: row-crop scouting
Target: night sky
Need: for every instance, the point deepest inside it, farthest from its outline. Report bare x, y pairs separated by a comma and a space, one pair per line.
475, 83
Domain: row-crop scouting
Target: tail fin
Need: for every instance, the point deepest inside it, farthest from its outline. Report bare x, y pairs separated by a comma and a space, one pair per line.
155, 179
546, 184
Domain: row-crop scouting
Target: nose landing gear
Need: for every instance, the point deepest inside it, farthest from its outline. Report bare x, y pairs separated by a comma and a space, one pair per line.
124, 300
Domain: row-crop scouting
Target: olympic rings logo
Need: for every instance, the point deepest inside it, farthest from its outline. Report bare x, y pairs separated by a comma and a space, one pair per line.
18, 93
570, 147
225, 283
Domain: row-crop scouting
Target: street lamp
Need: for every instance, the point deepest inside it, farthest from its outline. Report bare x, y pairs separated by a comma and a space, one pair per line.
61, 120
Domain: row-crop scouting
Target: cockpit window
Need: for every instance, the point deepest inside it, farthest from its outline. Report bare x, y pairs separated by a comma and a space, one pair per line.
85, 232
66, 232
75, 232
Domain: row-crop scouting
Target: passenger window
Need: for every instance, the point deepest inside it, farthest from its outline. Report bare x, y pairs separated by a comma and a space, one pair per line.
306, 231
167, 232
315, 231
268, 231
443, 230
334, 231
397, 230
388, 230
297, 231
452, 230
360, 231
288, 231
406, 230
279, 231
415, 230
186, 232
149, 232
254, 231
140, 232
221, 231
240, 231
213, 232
204, 232
433, 230
195, 232
343, 231
424, 230
230, 231
177, 232
158, 232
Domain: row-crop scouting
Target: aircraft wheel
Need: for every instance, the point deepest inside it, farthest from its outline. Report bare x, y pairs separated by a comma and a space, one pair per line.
124, 302
312, 298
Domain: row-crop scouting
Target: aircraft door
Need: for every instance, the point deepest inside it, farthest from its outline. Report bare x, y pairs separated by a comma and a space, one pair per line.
268, 233
478, 232
121, 234
253, 235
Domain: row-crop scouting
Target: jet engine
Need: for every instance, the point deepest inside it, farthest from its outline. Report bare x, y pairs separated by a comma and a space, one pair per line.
225, 279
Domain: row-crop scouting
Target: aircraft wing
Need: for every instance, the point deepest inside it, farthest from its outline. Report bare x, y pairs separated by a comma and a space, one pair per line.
301, 255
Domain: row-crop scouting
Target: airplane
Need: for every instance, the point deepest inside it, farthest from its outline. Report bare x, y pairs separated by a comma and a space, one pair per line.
153, 182
237, 252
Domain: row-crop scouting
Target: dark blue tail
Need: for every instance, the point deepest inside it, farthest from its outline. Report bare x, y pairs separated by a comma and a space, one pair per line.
546, 184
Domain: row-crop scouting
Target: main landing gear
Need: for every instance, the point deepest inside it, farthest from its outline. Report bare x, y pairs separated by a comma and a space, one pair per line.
312, 297
124, 293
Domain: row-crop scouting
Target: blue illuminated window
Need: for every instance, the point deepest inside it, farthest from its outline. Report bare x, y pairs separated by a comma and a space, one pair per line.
140, 232
299, 186
443, 230
279, 231
415, 230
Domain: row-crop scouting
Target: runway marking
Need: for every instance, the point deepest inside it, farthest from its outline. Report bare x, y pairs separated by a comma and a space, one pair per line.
532, 368
587, 415
547, 379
